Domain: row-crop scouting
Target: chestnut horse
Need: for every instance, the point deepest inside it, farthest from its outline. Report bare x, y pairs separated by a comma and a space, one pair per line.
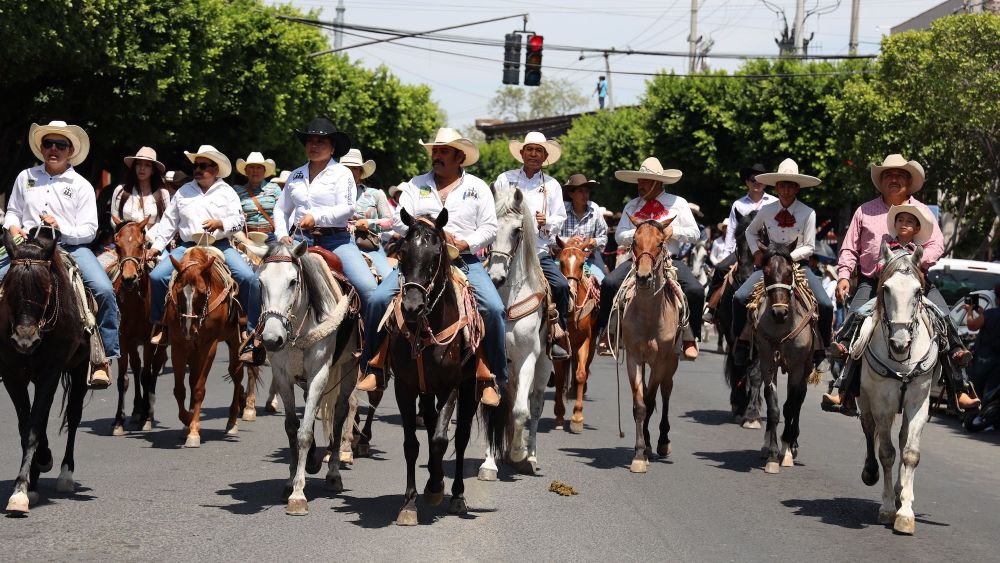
130, 276
582, 327
200, 314
42, 342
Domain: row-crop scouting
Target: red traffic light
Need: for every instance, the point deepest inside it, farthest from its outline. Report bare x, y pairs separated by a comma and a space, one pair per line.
535, 42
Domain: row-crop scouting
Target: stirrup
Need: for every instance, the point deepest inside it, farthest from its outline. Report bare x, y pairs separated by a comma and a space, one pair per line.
369, 382
99, 378
604, 344
489, 395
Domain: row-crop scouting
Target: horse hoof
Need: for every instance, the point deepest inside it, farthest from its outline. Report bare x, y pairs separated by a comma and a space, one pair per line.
249, 415
886, 518
233, 430
458, 506
664, 450
576, 427
638, 466
486, 474
432, 498
65, 485
147, 426
559, 423
364, 450
772, 467
193, 441
524, 467
870, 478
751, 424
18, 504
297, 507
788, 460
407, 517
47, 466
118, 430
347, 457
905, 525
271, 407
335, 483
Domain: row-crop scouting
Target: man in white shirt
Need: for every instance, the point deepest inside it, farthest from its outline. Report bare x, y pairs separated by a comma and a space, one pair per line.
787, 220
472, 225
543, 196
53, 194
718, 253
655, 204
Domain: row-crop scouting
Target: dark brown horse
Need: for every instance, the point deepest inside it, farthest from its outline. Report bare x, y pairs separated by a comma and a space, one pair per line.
131, 280
42, 342
582, 327
433, 368
200, 314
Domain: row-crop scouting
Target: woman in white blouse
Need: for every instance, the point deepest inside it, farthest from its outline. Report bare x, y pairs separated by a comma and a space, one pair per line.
144, 193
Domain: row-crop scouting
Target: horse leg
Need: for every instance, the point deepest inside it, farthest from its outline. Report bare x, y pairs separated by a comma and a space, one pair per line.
580, 366
663, 446
239, 396
344, 392
250, 406
884, 415
132, 351
536, 404
317, 376
521, 382
18, 502
26, 484
178, 358
753, 383
463, 430
283, 383
156, 358
411, 449
437, 436
640, 463
560, 368
770, 450
272, 397
364, 443
118, 425
915, 413
869, 474
200, 364
74, 412
346, 442
793, 406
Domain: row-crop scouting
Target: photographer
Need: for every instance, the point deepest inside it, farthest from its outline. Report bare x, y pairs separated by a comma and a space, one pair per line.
983, 373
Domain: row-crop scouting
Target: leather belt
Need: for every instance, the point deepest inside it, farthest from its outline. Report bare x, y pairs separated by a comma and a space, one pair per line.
327, 231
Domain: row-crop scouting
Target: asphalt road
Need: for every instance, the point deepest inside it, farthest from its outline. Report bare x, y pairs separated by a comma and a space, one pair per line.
143, 497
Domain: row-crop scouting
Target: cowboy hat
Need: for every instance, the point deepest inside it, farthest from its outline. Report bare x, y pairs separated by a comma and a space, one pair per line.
256, 158
76, 135
324, 128
536, 138
605, 213
788, 171
577, 181
696, 209
213, 154
353, 160
923, 217
747, 171
147, 154
446, 136
283, 177
177, 176
723, 225
651, 169
897, 161
393, 190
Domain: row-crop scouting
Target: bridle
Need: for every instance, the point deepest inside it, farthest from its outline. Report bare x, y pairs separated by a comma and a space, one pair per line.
658, 260
576, 281
286, 317
507, 256
51, 296
141, 265
199, 318
909, 325
790, 288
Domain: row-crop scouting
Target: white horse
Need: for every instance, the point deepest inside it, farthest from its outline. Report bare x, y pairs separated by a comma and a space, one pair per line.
303, 329
699, 256
900, 362
515, 270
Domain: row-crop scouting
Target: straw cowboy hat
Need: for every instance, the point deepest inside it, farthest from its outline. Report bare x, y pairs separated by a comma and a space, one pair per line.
393, 190
923, 217
76, 135
283, 177
536, 138
353, 160
147, 154
177, 176
324, 128
723, 225
747, 171
446, 136
788, 171
696, 209
577, 181
897, 161
256, 158
211, 153
651, 169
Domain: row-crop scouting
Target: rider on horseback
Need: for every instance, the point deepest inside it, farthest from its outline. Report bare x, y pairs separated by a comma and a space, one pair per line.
543, 196
472, 225
585, 220
787, 220
53, 194
897, 179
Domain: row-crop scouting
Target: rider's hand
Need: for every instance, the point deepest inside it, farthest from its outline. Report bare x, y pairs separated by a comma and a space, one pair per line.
540, 218
287, 241
361, 224
460, 244
18, 232
152, 254
49, 220
307, 222
758, 258
843, 286
211, 225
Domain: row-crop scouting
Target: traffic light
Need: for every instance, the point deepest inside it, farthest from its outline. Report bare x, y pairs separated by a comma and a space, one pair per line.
533, 61
512, 58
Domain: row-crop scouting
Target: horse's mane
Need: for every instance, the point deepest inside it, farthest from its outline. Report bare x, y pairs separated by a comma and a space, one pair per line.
781, 250
506, 205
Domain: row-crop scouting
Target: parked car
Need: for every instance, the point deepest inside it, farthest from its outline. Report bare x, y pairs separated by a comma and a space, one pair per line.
957, 278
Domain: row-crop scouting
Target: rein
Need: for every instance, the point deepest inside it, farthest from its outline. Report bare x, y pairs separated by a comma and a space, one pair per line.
286, 317
46, 324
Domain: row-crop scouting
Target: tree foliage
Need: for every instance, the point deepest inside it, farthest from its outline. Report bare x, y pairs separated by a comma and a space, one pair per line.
556, 96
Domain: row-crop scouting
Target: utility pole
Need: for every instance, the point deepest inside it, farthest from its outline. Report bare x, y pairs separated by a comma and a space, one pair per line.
338, 32
800, 21
607, 72
692, 39
853, 45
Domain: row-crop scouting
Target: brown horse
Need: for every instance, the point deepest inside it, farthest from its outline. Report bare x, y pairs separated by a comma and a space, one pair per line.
130, 276
582, 327
650, 326
200, 314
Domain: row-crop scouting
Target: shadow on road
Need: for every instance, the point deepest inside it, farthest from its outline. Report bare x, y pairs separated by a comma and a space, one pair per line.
609, 458
710, 417
47, 494
741, 461
854, 513
381, 511
255, 496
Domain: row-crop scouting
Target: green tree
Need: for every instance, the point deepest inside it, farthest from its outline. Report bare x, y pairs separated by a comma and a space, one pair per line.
557, 96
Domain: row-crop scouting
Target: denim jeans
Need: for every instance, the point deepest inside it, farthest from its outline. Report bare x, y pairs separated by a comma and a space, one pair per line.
489, 303
596, 266
243, 274
380, 261
355, 268
558, 285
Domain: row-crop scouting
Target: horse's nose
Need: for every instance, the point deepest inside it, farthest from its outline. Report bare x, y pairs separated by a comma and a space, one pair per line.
780, 314
25, 336
498, 280
643, 279
273, 342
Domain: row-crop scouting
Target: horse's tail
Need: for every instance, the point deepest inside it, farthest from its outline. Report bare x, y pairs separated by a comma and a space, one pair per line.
499, 423
325, 410
66, 378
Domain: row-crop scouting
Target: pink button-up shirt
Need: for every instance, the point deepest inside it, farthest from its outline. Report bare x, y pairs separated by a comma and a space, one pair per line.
868, 229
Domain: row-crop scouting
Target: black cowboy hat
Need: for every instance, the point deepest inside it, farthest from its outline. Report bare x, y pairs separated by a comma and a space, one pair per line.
323, 127
748, 171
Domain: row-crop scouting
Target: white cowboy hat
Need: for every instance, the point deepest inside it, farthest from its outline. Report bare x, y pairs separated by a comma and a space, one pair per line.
76, 135
695, 209
446, 136
211, 153
353, 159
923, 217
256, 158
605, 212
788, 171
897, 161
650, 169
393, 190
283, 177
536, 138
147, 154
723, 225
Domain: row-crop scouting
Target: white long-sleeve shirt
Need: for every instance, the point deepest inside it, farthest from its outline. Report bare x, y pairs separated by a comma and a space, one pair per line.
329, 198
803, 232
743, 206
718, 253
139, 207
190, 207
661, 208
68, 197
542, 193
472, 212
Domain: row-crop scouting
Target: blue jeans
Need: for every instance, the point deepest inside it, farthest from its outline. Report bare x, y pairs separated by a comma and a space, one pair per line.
380, 260
823, 302
557, 284
243, 274
596, 262
355, 268
490, 307
96, 280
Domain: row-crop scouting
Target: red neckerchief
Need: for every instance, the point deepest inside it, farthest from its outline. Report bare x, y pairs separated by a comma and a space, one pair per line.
785, 219
653, 209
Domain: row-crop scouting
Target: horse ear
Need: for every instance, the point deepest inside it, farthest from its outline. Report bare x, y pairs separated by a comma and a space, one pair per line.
633, 219
442, 219
118, 222
763, 247
142, 224
405, 216
300, 249
207, 268
560, 242
886, 253
518, 196
590, 245
665, 224
918, 253
177, 265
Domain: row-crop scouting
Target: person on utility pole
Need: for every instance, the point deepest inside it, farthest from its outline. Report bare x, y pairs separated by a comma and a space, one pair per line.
601, 90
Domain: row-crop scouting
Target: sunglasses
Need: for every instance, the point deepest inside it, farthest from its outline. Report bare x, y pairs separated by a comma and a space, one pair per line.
61, 145
205, 165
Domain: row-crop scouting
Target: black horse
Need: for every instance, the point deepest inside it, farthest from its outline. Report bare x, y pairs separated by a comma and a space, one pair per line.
434, 368
42, 342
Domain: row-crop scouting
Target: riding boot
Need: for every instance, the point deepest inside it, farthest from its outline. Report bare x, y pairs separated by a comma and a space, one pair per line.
159, 337
375, 378
486, 384
100, 376
252, 351
963, 396
604, 343
849, 383
713, 303
558, 341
